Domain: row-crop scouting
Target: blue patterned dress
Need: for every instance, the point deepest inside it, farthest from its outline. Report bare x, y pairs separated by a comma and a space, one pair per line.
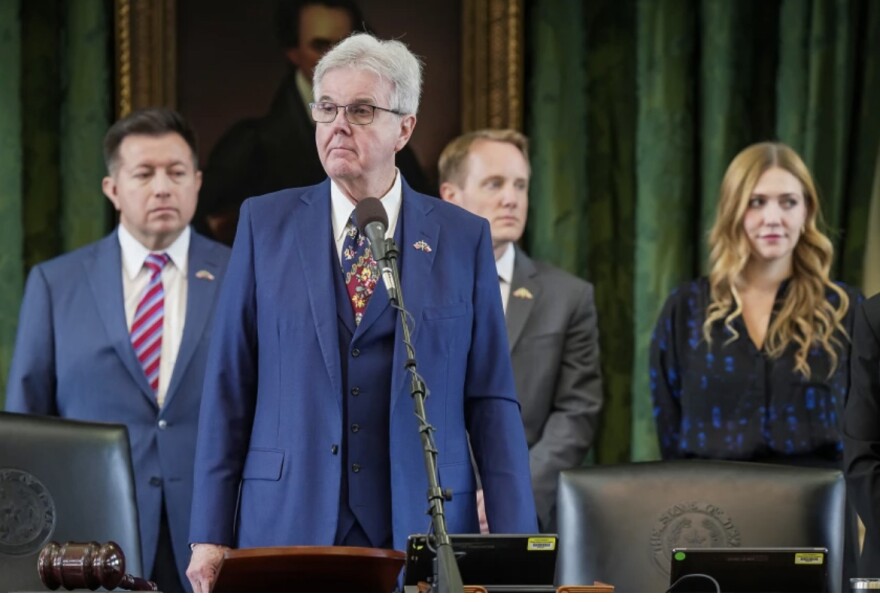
730, 401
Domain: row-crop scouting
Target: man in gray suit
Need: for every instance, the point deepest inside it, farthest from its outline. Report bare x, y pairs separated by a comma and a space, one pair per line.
551, 315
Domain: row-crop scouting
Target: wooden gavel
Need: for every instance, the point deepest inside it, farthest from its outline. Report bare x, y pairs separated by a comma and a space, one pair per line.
87, 565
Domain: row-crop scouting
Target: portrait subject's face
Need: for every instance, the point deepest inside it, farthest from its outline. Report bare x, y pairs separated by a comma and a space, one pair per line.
776, 214
353, 153
154, 187
320, 29
496, 187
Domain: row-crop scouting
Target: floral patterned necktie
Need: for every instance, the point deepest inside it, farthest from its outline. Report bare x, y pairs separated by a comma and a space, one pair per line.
359, 268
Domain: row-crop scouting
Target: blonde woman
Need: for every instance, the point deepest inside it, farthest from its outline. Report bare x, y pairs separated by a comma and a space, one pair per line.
752, 363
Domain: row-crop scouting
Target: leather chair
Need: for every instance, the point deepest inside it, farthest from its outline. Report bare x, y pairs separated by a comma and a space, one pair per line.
618, 524
62, 480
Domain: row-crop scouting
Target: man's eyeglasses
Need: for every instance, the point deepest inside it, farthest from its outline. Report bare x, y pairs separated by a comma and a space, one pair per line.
356, 114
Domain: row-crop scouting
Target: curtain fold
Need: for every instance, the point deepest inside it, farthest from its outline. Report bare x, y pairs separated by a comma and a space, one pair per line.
871, 280
587, 96
41, 93
11, 197
864, 171
674, 90
557, 150
611, 65
667, 230
55, 105
86, 114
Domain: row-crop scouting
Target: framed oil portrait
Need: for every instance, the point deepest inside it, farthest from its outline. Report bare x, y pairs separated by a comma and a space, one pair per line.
218, 61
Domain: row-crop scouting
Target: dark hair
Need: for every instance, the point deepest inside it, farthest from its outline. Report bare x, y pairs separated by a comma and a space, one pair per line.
287, 17
148, 122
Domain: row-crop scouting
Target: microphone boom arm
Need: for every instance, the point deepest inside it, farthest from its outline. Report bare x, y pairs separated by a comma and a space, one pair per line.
448, 576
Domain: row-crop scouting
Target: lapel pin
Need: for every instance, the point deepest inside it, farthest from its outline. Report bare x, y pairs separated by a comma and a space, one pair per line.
523, 293
422, 246
204, 275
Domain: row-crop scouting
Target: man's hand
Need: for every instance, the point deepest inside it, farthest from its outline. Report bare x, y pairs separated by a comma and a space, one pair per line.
204, 566
481, 512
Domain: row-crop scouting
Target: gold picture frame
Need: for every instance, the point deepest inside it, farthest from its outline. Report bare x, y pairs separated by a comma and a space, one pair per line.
491, 70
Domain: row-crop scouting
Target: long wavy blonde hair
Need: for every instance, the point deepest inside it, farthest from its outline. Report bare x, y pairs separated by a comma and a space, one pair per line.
806, 318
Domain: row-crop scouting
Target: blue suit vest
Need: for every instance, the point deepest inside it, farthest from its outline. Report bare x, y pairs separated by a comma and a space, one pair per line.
366, 355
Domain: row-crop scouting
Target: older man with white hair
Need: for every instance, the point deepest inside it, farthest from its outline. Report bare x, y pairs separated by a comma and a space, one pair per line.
307, 433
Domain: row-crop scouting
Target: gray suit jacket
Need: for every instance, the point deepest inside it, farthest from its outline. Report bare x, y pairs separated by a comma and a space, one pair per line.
861, 430
554, 344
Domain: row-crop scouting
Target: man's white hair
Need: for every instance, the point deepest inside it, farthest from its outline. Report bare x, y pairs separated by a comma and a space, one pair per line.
389, 59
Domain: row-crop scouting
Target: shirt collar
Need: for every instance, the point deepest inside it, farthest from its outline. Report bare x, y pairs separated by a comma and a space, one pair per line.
304, 87
342, 207
134, 253
504, 264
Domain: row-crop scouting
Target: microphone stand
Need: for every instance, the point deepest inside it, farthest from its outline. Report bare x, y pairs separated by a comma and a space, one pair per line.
447, 578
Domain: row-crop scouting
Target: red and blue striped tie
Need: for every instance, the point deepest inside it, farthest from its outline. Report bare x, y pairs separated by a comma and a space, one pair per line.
146, 328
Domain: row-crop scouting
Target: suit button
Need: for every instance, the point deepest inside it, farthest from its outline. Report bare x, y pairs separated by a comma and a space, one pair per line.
356, 391
155, 481
355, 467
355, 352
163, 424
334, 449
355, 428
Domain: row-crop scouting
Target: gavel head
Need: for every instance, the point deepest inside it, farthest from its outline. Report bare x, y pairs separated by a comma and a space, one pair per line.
81, 565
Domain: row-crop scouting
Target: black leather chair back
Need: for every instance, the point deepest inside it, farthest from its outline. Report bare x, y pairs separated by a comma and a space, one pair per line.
618, 524
62, 480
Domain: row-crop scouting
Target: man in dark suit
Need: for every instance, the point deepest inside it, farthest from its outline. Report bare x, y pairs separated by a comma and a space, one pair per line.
117, 331
861, 431
276, 151
307, 434
551, 315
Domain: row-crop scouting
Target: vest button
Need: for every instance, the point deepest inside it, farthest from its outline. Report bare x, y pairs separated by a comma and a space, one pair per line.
355, 352
334, 449
355, 467
155, 481
163, 424
355, 428
355, 391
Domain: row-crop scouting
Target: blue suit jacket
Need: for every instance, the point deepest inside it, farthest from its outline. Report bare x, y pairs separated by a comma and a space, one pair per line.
73, 358
271, 422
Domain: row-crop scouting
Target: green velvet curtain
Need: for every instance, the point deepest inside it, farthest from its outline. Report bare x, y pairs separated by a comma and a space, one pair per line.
55, 105
10, 181
635, 108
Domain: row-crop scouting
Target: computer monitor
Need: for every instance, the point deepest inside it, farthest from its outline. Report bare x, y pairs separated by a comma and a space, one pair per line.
498, 562
787, 570
62, 480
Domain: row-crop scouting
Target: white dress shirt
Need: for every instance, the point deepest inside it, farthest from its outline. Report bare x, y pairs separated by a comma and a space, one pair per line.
343, 206
136, 277
504, 265
304, 87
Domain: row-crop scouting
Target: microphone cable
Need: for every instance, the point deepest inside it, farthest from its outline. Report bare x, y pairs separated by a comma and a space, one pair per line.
701, 578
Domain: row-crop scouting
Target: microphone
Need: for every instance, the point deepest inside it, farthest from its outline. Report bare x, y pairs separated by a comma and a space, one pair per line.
372, 220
